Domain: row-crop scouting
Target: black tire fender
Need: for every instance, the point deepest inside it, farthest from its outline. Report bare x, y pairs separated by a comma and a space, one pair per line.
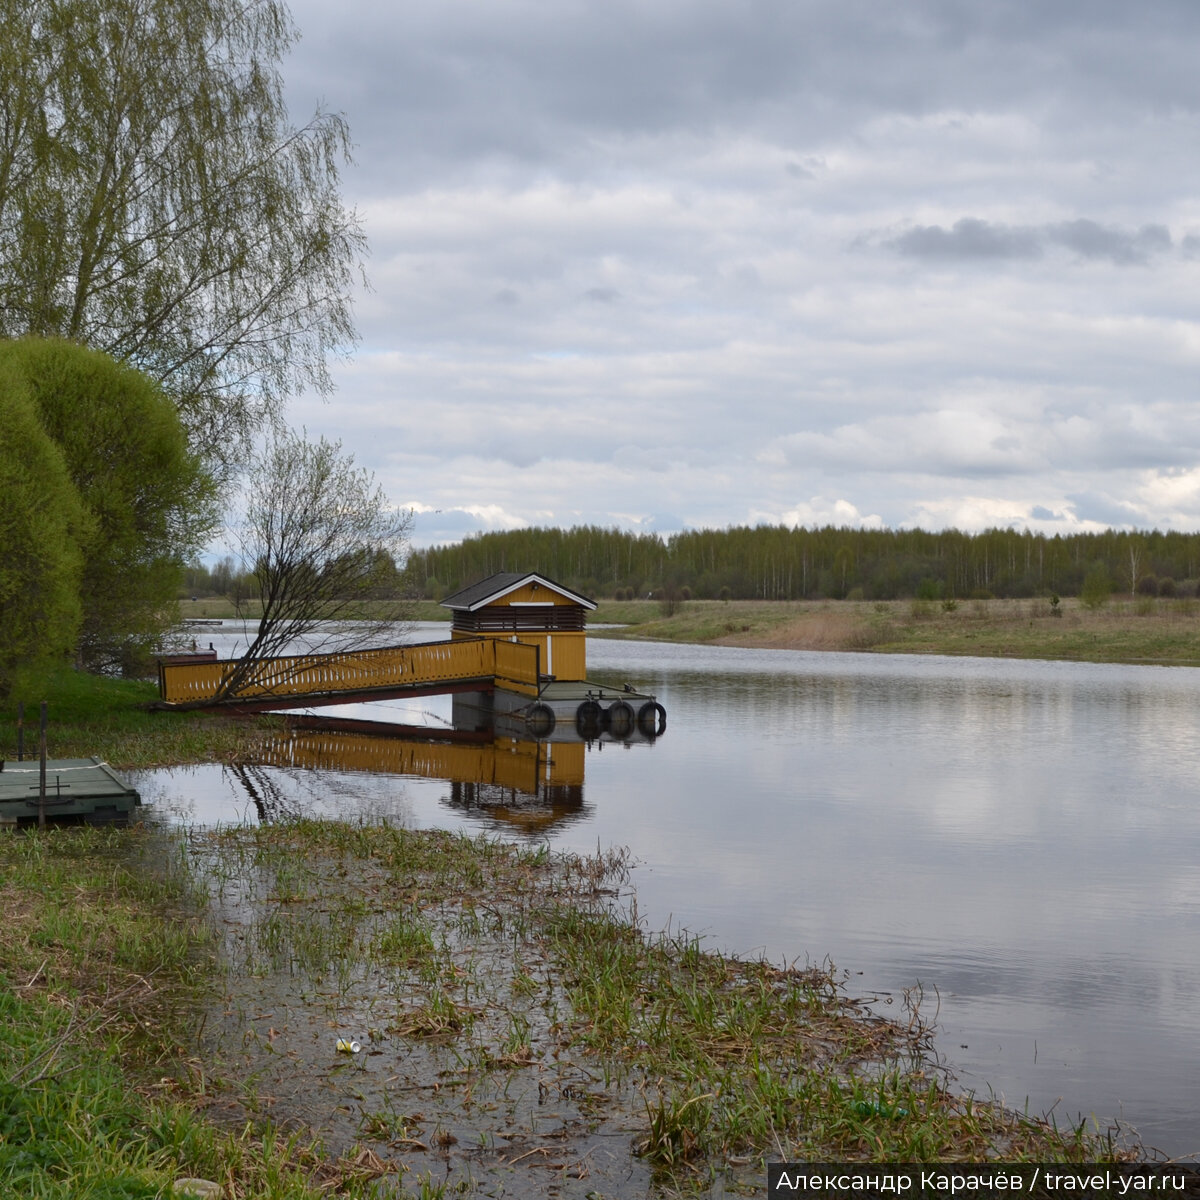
540, 720
620, 719
652, 719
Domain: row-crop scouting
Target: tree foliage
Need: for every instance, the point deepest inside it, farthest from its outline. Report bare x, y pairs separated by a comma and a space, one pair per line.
148, 501
42, 524
318, 537
156, 203
780, 563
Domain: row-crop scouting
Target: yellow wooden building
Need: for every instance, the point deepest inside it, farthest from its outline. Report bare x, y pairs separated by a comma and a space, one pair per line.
527, 607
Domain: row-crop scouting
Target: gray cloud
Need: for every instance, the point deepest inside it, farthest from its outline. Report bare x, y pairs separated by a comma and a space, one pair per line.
1090, 240
1103, 509
972, 238
610, 275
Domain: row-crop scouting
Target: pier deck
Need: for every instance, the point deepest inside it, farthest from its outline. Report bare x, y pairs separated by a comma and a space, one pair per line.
77, 788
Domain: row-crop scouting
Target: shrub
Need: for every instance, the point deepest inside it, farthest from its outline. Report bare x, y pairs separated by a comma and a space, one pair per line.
43, 523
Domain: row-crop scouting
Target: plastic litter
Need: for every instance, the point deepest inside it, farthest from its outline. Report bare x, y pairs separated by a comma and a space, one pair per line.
196, 1189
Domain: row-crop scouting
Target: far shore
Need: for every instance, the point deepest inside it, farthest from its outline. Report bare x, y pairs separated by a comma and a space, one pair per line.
1141, 629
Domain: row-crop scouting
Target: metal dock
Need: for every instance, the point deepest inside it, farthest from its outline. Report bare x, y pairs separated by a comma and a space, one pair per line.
77, 789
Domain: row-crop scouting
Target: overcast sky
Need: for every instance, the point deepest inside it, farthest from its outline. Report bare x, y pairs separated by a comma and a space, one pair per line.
683, 263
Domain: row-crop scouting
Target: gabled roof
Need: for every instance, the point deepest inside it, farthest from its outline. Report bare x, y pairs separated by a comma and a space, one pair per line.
496, 587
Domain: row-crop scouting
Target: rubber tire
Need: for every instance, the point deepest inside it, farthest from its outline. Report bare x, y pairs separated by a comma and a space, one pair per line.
587, 720
541, 720
652, 719
619, 719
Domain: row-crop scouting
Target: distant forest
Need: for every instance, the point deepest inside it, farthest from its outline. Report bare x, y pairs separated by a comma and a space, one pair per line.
780, 563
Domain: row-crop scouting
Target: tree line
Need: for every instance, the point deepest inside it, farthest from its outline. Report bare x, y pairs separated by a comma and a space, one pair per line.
784, 563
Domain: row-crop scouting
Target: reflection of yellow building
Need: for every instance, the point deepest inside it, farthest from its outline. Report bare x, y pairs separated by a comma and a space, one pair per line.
516, 785
527, 608
505, 762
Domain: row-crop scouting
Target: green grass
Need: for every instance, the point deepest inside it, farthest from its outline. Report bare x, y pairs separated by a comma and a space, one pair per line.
111, 718
1144, 629
104, 959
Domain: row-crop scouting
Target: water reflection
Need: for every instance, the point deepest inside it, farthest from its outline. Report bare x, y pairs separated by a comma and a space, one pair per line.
509, 784
528, 786
1020, 837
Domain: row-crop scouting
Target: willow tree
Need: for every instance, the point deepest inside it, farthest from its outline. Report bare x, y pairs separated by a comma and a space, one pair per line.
150, 504
156, 202
42, 526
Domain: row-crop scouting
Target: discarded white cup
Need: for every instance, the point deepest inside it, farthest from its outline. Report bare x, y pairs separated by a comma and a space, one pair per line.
348, 1047
196, 1189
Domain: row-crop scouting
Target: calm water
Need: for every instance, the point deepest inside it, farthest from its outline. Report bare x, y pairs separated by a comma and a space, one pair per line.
1020, 838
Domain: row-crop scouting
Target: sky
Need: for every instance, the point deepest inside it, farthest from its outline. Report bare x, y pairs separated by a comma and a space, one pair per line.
667, 264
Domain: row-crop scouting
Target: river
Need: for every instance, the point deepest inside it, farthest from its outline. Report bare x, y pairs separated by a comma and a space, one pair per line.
1019, 838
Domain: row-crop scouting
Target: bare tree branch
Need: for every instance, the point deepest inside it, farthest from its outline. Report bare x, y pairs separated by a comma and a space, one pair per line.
322, 543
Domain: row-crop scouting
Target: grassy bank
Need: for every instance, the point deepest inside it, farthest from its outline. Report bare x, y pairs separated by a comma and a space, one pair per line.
105, 959
90, 714
1145, 629
175, 1006
1142, 629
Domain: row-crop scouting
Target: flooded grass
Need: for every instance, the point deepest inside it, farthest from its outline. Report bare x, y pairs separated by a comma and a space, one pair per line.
175, 1003
106, 956
522, 1034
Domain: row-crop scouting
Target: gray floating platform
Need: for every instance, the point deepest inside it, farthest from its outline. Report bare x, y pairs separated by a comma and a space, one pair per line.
77, 789
558, 714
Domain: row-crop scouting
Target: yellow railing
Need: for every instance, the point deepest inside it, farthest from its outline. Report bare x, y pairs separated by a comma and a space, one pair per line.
513, 664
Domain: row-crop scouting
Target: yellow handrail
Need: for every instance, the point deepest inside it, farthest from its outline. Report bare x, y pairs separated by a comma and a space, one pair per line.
515, 663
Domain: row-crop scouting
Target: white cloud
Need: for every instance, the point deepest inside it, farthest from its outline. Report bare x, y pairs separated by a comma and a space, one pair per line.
932, 263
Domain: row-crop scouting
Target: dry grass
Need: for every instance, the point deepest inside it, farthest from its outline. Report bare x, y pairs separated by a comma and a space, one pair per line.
816, 629
1143, 630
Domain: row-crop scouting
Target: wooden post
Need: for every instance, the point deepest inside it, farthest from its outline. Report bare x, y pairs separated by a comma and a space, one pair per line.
42, 773
20, 730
